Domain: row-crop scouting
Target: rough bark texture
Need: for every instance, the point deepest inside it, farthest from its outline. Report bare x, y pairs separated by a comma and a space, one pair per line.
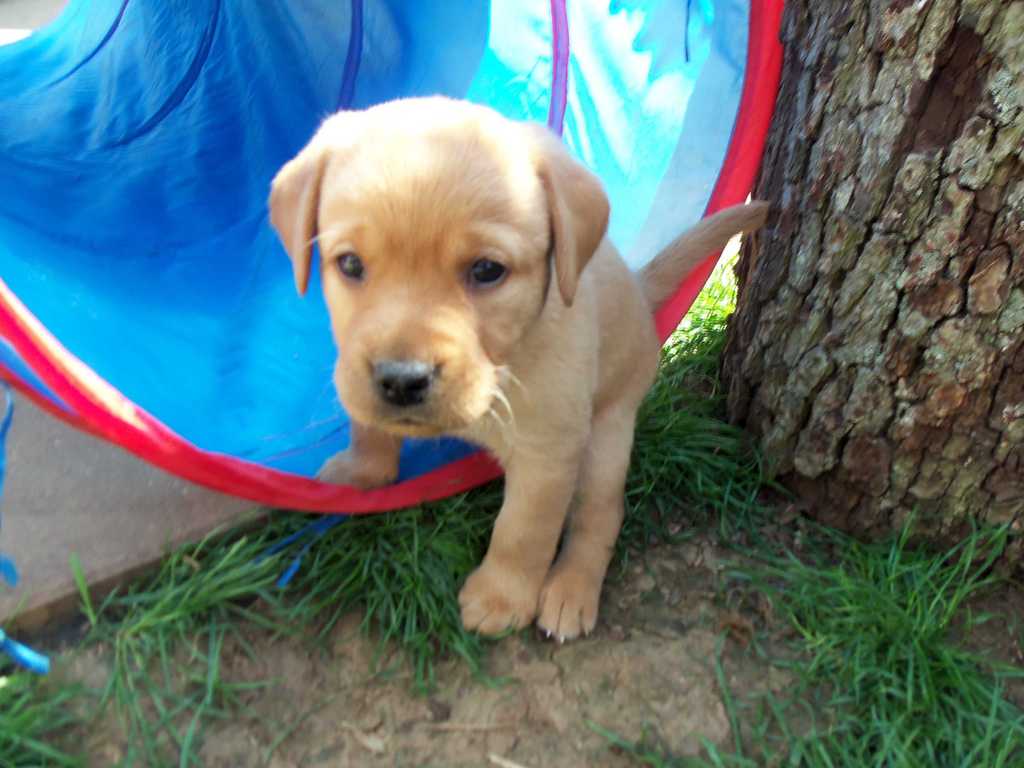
878, 348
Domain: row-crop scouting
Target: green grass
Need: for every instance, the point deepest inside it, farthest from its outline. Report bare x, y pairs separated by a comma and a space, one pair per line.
877, 629
881, 679
33, 713
405, 571
166, 636
685, 455
83, 589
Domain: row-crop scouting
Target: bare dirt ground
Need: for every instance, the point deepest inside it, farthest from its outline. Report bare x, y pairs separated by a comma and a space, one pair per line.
649, 670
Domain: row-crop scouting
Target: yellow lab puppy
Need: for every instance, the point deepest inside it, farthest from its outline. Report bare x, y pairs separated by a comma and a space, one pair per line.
472, 292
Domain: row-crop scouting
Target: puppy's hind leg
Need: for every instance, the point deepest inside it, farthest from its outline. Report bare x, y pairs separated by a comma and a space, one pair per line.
370, 461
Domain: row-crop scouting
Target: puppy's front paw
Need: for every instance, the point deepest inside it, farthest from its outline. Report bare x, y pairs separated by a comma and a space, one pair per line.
496, 598
568, 603
346, 468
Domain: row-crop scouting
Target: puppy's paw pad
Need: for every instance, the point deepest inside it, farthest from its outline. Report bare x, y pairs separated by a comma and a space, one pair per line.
568, 604
494, 600
346, 469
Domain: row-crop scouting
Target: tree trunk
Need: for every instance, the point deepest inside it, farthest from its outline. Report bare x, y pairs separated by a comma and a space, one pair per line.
877, 352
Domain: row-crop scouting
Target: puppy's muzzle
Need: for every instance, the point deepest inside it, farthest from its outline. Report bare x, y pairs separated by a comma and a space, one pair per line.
403, 383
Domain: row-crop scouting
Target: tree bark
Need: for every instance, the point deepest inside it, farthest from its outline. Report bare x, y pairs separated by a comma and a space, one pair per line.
877, 351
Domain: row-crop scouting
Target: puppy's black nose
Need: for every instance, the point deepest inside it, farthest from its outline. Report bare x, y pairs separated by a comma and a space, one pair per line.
403, 382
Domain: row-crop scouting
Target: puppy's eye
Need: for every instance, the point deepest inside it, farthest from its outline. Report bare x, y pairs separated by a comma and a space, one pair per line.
350, 266
485, 272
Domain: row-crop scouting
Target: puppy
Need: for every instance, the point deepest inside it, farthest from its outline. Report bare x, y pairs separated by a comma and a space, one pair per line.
472, 292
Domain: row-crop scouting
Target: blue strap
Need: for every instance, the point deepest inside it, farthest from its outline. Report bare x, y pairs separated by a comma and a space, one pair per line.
7, 570
21, 654
313, 531
686, 33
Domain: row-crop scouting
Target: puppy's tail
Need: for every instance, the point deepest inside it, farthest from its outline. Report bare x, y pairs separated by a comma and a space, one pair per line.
661, 276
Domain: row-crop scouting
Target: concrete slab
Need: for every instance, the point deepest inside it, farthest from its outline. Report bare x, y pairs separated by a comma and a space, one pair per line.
67, 492
17, 17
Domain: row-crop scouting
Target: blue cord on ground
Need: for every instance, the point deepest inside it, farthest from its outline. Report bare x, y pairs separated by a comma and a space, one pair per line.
20, 654
24, 656
313, 531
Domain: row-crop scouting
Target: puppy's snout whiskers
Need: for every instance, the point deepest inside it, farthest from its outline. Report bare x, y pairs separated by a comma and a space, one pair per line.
504, 372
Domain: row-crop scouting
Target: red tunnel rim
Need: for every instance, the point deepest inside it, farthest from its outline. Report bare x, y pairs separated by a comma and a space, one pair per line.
97, 408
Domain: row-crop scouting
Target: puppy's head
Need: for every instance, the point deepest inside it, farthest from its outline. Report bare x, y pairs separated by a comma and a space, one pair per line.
440, 227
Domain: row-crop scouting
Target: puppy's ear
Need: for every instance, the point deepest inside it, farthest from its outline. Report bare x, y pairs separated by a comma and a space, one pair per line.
578, 209
294, 200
